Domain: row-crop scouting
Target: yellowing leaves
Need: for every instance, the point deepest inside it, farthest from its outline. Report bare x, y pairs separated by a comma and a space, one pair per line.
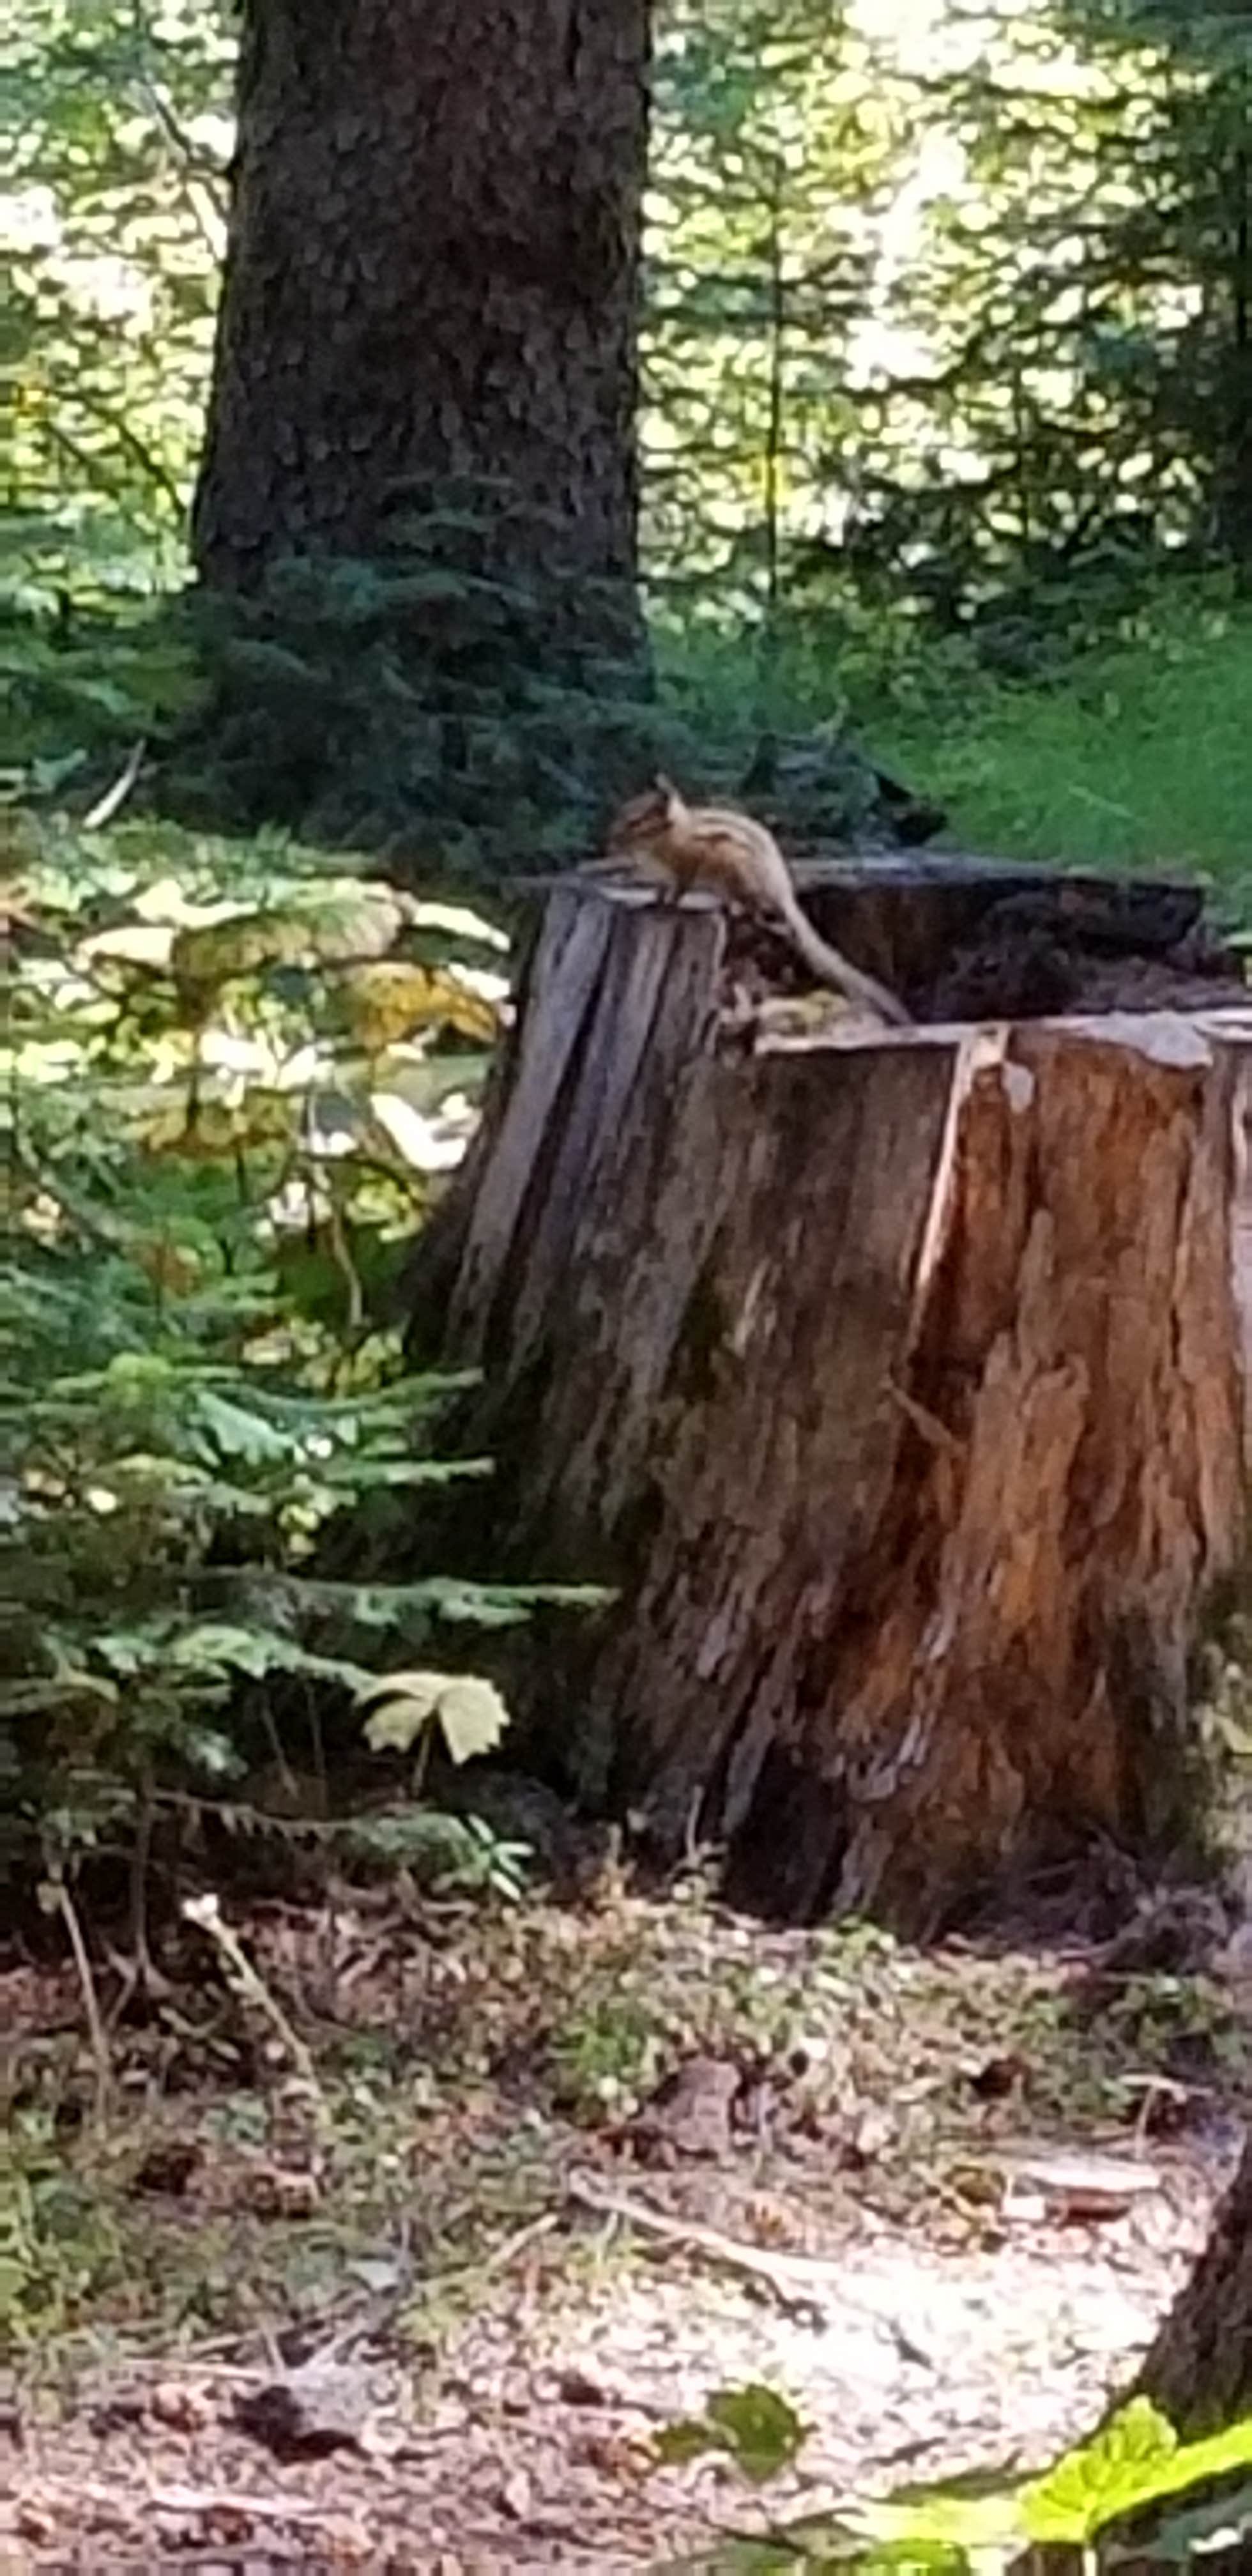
318, 925
220, 1128
392, 999
406, 1706
133, 943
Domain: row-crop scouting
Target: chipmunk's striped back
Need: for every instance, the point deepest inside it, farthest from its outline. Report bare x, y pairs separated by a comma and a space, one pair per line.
717, 847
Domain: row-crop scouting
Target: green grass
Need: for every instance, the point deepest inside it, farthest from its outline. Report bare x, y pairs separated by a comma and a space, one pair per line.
1135, 752
1140, 756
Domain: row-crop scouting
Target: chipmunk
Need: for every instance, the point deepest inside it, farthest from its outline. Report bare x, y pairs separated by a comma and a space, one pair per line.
727, 853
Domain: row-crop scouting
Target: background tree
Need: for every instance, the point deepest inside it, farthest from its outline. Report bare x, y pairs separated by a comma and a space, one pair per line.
420, 478
941, 340
432, 271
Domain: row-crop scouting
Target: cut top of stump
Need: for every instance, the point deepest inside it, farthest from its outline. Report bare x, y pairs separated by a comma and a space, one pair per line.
959, 937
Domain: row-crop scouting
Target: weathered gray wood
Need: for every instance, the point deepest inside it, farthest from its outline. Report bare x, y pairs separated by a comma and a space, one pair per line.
570, 958
896, 1383
903, 915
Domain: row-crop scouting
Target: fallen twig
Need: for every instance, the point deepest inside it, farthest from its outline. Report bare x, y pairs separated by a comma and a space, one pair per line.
268, 2508
503, 2254
811, 2282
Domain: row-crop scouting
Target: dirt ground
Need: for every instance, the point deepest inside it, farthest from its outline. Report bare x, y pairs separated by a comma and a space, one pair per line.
380, 2275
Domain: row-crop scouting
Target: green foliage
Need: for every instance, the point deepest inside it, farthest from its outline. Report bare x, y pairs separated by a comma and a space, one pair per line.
59, 2241
947, 311
458, 1855
427, 701
223, 1130
606, 2052
113, 229
1133, 2472
943, 331
761, 2432
1133, 751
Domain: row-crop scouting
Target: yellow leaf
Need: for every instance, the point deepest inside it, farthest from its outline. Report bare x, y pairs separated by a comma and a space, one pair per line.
470, 1712
389, 1000
220, 1128
473, 1717
404, 1704
135, 943
462, 924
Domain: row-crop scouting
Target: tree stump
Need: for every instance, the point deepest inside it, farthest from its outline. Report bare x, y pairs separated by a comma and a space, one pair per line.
893, 1380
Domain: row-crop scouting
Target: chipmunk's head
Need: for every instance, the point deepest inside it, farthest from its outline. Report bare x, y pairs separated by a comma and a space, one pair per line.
644, 818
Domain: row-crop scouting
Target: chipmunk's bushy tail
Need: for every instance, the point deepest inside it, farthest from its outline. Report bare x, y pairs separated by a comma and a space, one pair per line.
834, 968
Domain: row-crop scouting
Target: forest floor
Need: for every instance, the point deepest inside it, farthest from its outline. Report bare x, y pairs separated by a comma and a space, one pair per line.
353, 2291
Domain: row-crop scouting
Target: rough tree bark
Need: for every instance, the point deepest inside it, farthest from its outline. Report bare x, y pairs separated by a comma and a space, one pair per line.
432, 271
1199, 2371
895, 1384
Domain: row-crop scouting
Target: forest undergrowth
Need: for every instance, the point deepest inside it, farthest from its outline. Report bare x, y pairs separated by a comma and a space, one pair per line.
299, 2058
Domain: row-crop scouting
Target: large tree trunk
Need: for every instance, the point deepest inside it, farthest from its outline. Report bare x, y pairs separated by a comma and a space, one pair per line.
1199, 2371
894, 1384
432, 272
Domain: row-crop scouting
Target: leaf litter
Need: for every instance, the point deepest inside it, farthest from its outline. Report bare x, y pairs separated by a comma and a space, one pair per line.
569, 2170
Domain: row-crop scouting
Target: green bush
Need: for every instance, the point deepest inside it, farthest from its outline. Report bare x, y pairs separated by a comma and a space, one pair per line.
234, 1081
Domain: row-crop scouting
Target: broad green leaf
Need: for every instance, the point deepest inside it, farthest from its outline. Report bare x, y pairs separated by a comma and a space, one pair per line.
1101, 2478
1154, 2466
971, 2524
760, 2430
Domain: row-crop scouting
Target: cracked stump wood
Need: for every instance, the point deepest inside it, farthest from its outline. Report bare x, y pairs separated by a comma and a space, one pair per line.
893, 1380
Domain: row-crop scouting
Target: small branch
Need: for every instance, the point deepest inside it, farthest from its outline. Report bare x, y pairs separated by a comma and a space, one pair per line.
214, 2500
342, 1257
114, 797
90, 467
202, 172
199, 170
811, 2282
68, 1912
75, 391
205, 1913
